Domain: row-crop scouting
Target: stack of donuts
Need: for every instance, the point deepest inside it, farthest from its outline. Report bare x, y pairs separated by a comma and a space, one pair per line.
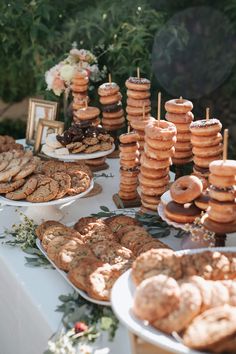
160, 137
184, 191
112, 111
179, 113
129, 163
206, 141
89, 114
222, 191
79, 89
138, 105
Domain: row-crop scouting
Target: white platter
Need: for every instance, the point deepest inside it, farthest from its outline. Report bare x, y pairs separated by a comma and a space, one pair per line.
80, 156
64, 275
161, 212
122, 301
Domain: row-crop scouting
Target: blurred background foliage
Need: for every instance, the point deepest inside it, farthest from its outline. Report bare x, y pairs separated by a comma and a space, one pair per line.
35, 35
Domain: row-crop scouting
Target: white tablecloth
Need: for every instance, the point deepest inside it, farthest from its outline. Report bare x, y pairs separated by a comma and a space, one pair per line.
29, 296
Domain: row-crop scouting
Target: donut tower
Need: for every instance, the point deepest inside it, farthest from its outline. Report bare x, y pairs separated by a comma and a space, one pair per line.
138, 104
179, 113
112, 111
222, 190
129, 163
206, 141
79, 89
160, 137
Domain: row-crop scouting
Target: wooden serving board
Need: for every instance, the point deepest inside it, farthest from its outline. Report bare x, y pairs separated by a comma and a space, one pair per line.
121, 203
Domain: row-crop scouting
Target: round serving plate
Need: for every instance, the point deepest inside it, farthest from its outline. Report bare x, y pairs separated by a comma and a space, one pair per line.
122, 302
80, 156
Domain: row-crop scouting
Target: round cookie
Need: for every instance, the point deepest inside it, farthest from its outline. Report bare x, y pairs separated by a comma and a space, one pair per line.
64, 181
11, 186
27, 189
44, 226
46, 190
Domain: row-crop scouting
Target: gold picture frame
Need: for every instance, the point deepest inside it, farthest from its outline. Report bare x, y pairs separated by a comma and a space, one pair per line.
39, 109
58, 127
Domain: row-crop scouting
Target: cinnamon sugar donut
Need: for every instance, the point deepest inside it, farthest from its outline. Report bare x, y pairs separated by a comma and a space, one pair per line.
183, 154
178, 105
183, 161
223, 168
138, 95
149, 206
138, 102
113, 115
108, 89
110, 99
128, 180
208, 151
129, 163
152, 173
79, 88
153, 183
222, 212
131, 147
183, 137
202, 201
152, 191
179, 118
128, 195
222, 181
205, 141
185, 189
141, 124
129, 173
182, 127
87, 113
183, 146
133, 111
160, 130
114, 121
155, 164
161, 144
227, 194
131, 118
205, 161
129, 155
206, 127
150, 199
128, 187
158, 154
137, 84
129, 138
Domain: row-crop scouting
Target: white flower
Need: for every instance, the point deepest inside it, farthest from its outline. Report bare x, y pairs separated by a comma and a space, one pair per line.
67, 72
84, 349
75, 52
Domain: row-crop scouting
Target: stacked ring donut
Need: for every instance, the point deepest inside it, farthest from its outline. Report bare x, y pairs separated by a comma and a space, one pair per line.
160, 137
206, 141
88, 113
222, 191
138, 105
129, 163
79, 89
179, 113
112, 111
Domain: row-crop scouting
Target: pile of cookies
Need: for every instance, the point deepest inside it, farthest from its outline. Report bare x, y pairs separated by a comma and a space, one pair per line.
176, 293
26, 178
87, 114
79, 89
160, 137
138, 105
79, 138
222, 191
129, 162
112, 111
184, 191
7, 143
206, 141
96, 252
179, 113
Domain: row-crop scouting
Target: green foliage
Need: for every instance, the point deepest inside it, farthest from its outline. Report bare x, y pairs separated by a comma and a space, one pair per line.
15, 128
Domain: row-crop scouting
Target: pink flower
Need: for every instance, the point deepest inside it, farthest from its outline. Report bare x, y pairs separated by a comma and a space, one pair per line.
58, 85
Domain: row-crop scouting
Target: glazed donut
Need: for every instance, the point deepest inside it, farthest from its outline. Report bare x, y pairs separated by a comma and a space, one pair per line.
202, 201
87, 113
160, 130
153, 191
129, 163
183, 154
222, 212
182, 128
205, 141
140, 133
205, 127
108, 89
183, 137
201, 171
149, 206
153, 174
179, 213
110, 99
178, 105
183, 146
128, 195
205, 161
160, 144
227, 194
150, 199
112, 127
217, 227
138, 95
153, 183
202, 179
222, 181
138, 84
179, 118
115, 121
133, 111
128, 180
154, 164
223, 168
137, 117
113, 115
124, 187
185, 189
138, 103
129, 155
79, 88
208, 151
141, 124
131, 147
181, 161
158, 154
129, 173
78, 81
141, 145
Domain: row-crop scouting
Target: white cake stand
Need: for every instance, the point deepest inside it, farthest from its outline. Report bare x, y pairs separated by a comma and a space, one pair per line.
40, 212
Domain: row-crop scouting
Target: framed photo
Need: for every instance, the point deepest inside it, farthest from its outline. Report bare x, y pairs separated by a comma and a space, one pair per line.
46, 127
39, 109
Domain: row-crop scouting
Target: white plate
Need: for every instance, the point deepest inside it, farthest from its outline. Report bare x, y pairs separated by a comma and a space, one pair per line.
64, 275
80, 156
161, 212
122, 302
52, 202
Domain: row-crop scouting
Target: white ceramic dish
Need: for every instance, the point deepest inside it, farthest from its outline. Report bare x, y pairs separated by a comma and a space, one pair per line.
122, 302
64, 275
80, 156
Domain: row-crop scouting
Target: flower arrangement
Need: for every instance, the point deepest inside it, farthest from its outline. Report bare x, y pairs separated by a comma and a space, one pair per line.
59, 77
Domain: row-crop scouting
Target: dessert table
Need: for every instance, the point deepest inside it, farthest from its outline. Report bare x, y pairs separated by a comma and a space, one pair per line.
29, 296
